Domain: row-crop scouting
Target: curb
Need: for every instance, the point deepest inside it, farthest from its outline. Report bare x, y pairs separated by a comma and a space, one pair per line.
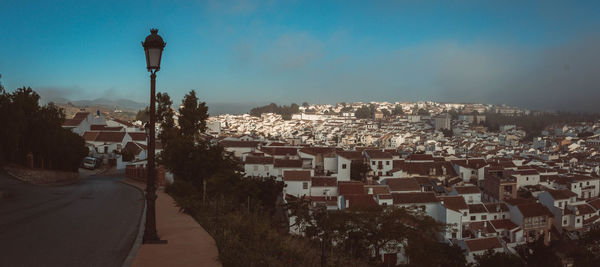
137, 243
68, 182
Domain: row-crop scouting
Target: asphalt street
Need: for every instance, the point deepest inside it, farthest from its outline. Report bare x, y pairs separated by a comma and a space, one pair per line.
90, 223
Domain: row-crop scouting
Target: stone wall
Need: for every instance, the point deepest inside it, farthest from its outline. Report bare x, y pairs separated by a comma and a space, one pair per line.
139, 173
41, 176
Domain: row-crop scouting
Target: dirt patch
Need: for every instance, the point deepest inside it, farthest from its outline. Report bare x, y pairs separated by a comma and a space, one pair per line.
42, 177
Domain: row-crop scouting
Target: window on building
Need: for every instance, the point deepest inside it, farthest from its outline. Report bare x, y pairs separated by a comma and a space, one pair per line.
527, 178
343, 166
472, 218
465, 213
373, 162
503, 216
565, 222
578, 220
453, 235
587, 183
387, 162
560, 204
305, 185
484, 217
495, 217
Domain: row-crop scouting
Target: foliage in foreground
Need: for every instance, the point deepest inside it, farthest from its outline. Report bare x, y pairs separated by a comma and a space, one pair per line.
28, 128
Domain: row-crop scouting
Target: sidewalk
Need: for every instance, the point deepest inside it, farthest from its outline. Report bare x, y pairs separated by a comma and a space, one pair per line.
188, 243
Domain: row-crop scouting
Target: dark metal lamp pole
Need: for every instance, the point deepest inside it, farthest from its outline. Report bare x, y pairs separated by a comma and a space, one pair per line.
153, 47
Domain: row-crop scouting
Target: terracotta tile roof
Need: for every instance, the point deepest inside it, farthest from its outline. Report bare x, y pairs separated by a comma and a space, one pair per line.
317, 150
259, 160
561, 194
504, 224
527, 172
402, 184
132, 148
481, 244
137, 136
467, 190
90, 136
591, 220
77, 119
235, 143
279, 151
477, 208
456, 203
420, 157
585, 209
485, 227
323, 181
414, 198
425, 168
100, 127
377, 189
350, 188
378, 154
287, 163
126, 123
517, 201
296, 176
350, 154
110, 137
595, 203
533, 210
496, 207
360, 201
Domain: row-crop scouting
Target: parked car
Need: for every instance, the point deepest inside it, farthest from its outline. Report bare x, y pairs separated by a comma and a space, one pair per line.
90, 163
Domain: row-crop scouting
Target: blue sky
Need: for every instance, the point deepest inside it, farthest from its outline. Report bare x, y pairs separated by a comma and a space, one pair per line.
542, 54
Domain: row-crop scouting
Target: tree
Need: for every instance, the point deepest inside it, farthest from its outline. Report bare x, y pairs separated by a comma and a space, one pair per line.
305, 104
538, 254
447, 132
397, 110
191, 159
358, 170
143, 115
286, 112
363, 112
192, 116
498, 259
31, 129
386, 113
423, 112
164, 115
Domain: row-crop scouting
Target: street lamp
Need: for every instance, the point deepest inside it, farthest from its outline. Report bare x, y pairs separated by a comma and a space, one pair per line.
153, 46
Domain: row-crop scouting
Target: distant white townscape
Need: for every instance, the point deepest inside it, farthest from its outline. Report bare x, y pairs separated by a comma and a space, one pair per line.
496, 188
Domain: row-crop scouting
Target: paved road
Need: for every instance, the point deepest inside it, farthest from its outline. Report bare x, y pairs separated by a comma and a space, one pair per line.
91, 223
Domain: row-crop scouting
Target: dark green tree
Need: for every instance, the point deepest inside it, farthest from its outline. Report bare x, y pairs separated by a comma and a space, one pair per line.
363, 112
397, 110
498, 259
358, 170
537, 254
143, 115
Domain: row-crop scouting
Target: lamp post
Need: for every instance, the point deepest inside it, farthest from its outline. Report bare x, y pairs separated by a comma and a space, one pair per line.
153, 47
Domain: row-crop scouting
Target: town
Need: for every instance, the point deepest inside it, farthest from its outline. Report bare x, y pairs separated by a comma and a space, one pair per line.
496, 189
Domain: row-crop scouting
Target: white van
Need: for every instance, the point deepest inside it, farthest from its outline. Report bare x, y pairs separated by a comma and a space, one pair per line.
89, 163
